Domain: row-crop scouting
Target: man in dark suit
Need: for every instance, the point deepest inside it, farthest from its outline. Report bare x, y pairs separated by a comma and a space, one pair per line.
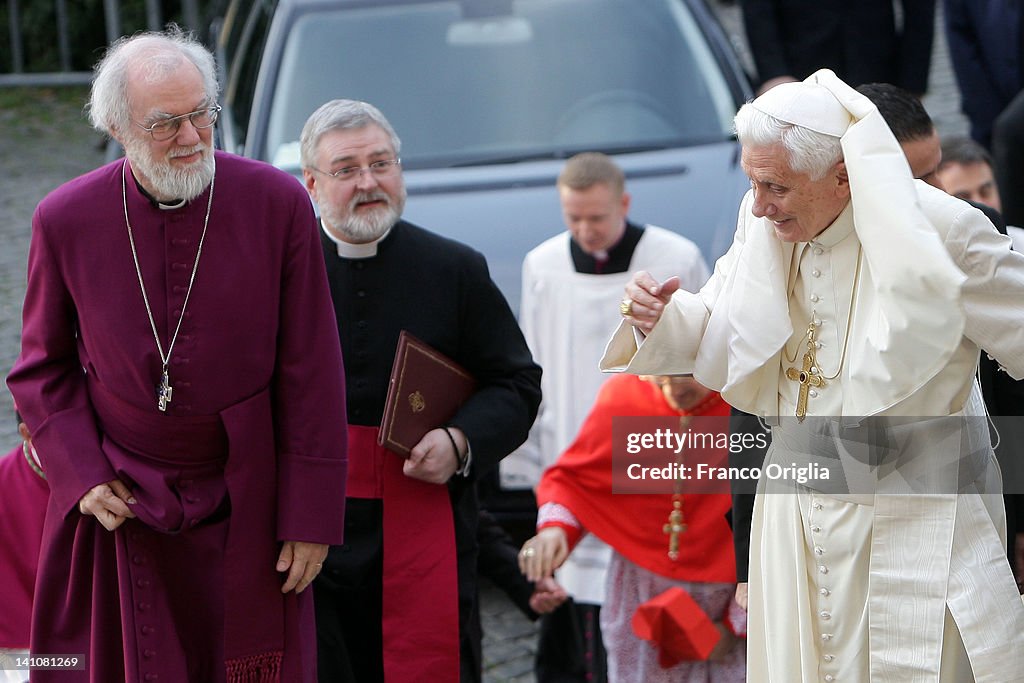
1008, 159
985, 48
397, 598
860, 41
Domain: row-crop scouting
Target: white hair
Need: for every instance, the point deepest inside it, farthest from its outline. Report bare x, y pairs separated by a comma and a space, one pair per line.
155, 53
341, 115
809, 152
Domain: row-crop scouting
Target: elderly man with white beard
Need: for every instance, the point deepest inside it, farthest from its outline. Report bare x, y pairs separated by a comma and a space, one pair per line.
181, 371
398, 600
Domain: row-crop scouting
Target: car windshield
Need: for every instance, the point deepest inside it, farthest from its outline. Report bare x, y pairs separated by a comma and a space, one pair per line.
472, 83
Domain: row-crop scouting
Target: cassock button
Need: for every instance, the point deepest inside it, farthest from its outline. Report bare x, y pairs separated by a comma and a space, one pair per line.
825, 592
818, 550
817, 344
816, 273
816, 529
829, 658
142, 583
147, 630
362, 324
151, 677
825, 615
818, 251
179, 266
149, 654
829, 678
816, 506
826, 637
813, 393
822, 569
143, 606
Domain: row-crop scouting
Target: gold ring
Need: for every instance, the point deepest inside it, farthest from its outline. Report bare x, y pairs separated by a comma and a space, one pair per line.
527, 552
626, 308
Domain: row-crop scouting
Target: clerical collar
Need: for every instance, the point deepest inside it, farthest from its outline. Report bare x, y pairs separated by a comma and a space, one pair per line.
355, 251
618, 257
165, 206
841, 228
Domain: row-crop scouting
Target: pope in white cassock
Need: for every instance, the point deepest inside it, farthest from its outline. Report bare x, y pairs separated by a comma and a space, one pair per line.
852, 290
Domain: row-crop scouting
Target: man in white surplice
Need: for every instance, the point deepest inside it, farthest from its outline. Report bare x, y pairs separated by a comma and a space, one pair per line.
571, 283
890, 287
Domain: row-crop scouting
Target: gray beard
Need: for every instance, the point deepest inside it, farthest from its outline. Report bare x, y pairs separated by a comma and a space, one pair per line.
168, 182
361, 229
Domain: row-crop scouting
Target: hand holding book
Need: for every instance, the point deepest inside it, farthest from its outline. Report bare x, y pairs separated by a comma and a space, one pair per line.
425, 392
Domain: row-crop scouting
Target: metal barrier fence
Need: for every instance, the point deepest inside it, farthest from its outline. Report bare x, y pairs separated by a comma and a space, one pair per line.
66, 75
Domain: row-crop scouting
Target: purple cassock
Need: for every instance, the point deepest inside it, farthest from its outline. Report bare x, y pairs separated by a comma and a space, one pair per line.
23, 495
250, 452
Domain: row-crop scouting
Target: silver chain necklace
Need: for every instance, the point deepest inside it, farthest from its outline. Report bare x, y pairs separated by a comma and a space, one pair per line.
164, 389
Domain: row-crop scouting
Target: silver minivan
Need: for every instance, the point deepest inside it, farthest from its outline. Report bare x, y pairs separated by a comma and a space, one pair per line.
491, 96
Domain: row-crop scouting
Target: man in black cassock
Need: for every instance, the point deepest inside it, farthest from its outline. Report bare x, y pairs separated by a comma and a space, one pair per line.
395, 601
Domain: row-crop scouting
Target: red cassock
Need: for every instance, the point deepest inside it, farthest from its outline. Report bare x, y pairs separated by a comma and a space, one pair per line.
250, 452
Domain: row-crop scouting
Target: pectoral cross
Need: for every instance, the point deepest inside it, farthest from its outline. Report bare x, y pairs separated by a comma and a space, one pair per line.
164, 392
676, 525
808, 376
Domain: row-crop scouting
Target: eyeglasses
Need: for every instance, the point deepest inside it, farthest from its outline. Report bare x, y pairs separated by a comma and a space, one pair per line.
165, 129
379, 169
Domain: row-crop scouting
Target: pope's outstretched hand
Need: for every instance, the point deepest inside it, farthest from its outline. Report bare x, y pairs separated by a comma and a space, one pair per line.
646, 299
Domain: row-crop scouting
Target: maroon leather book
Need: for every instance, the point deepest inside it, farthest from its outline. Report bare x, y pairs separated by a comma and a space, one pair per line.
426, 390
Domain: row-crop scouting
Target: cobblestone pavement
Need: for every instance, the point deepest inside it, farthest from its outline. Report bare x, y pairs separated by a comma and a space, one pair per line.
45, 140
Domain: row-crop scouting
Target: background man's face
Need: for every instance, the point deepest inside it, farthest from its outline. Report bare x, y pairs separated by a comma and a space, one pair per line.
924, 155
797, 207
596, 216
971, 181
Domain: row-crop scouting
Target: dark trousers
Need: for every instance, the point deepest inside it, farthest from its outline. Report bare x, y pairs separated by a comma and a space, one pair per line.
569, 646
348, 599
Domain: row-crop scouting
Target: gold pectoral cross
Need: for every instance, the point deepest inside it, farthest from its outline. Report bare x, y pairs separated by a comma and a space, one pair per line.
164, 392
676, 525
808, 376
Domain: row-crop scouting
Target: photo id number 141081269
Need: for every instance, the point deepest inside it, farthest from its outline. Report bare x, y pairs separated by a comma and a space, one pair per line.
30, 662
